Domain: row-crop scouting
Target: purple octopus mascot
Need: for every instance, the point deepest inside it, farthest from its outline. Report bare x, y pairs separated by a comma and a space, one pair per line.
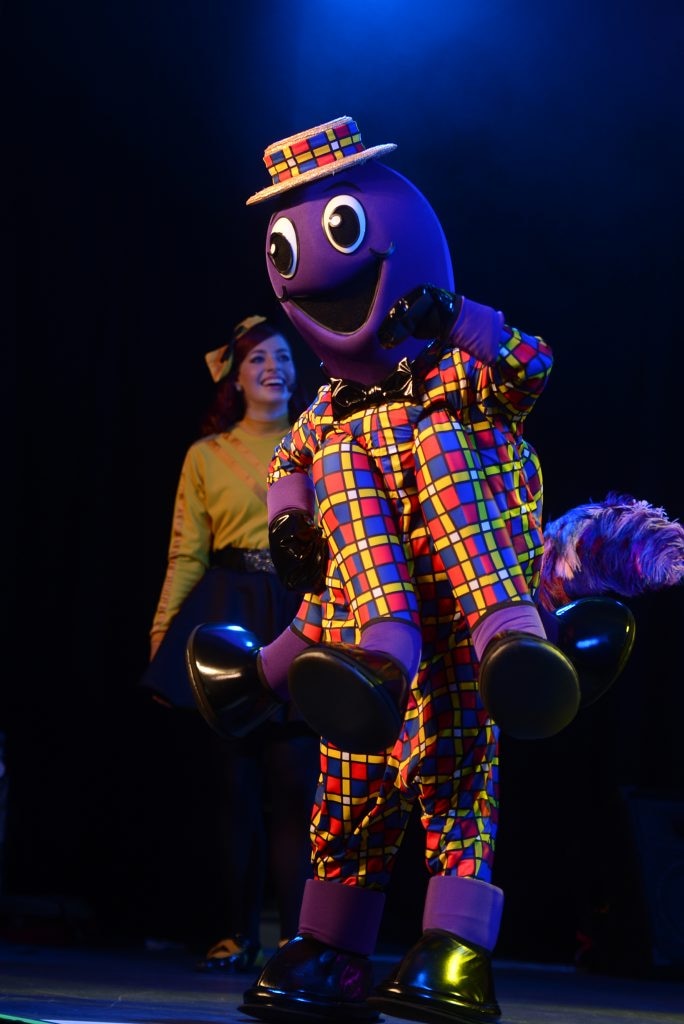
406, 506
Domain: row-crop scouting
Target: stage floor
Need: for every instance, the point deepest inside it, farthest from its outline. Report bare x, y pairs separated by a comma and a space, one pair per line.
134, 986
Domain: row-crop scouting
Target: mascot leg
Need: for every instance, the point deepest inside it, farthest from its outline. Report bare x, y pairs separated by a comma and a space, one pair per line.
361, 704
597, 634
447, 975
490, 553
360, 707
528, 685
236, 683
324, 973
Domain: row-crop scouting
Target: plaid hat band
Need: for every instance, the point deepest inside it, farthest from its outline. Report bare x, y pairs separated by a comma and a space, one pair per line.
298, 155
313, 154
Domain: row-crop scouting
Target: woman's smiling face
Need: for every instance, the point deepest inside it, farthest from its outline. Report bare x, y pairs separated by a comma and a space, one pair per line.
266, 375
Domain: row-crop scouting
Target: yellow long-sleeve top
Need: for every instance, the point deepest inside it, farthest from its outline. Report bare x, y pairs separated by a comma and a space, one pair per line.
220, 502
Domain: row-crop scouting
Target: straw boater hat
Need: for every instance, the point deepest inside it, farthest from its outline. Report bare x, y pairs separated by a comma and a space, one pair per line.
315, 153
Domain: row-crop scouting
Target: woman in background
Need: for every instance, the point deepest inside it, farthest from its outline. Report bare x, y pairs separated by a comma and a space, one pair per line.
258, 790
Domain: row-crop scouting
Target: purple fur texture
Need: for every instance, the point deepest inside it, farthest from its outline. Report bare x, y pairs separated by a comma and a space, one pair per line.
621, 546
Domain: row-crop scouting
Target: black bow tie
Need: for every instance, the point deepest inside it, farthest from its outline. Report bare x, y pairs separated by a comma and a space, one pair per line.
348, 396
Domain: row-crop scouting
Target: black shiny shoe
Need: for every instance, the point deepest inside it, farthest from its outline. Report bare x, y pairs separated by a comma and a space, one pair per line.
234, 955
597, 634
222, 665
528, 685
351, 697
441, 980
308, 980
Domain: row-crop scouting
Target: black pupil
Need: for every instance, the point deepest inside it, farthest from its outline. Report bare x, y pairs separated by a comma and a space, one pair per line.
344, 227
280, 253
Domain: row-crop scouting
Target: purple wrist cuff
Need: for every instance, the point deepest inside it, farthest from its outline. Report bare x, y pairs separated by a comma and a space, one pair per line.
343, 916
294, 491
466, 907
479, 331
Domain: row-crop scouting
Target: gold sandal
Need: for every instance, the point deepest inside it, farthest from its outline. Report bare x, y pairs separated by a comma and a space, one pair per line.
236, 953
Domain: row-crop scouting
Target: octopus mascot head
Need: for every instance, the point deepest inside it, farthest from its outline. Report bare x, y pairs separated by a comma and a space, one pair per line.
347, 238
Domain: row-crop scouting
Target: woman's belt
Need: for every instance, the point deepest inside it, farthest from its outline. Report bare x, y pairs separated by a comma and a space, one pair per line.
243, 559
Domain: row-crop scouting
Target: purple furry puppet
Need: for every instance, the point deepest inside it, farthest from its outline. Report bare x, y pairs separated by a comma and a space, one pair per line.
428, 496
618, 546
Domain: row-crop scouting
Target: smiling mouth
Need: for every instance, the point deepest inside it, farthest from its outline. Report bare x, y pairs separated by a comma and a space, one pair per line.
347, 308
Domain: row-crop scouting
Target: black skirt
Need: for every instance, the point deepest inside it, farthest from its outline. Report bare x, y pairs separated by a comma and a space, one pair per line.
257, 601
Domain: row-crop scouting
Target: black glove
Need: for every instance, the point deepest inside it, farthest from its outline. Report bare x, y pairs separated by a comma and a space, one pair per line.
299, 552
426, 312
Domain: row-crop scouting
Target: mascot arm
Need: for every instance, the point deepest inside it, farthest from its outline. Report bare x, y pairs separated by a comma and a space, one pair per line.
511, 385
295, 453
292, 491
298, 550
297, 546
428, 312
508, 370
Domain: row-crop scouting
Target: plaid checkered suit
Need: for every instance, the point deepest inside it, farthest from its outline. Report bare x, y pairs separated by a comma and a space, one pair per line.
432, 511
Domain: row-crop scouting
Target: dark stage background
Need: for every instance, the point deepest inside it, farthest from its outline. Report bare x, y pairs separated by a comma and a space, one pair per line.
549, 138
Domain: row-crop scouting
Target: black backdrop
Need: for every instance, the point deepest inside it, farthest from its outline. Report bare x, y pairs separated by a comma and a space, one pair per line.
549, 139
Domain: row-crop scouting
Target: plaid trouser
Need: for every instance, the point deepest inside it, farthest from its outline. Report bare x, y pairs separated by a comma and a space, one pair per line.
383, 564
432, 516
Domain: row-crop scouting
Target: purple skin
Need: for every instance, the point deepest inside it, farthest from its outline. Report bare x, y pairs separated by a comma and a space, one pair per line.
342, 251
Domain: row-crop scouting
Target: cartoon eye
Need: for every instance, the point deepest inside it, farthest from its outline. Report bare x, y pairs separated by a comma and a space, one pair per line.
344, 222
283, 250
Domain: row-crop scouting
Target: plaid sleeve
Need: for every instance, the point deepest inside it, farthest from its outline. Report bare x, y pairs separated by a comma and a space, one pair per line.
294, 454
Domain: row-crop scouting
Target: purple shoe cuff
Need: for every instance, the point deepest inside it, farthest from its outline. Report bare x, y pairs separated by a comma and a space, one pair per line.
479, 331
466, 907
275, 659
398, 640
294, 491
520, 617
343, 916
